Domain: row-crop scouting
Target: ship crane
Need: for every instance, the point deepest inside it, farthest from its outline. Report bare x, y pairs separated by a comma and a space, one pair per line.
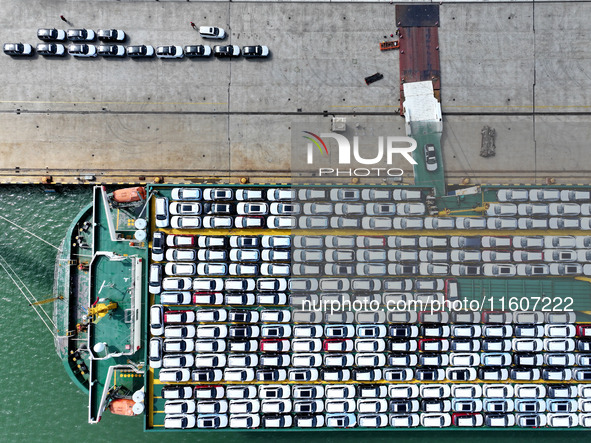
447, 212
97, 312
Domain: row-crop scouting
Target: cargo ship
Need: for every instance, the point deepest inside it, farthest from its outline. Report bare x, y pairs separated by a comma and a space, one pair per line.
314, 306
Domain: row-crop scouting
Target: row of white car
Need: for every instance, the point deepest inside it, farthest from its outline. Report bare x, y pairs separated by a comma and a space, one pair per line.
526, 364
298, 194
388, 374
372, 391
543, 195
377, 222
350, 420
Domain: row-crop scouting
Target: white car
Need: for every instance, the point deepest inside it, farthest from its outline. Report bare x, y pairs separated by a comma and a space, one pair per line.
532, 223
440, 223
411, 208
544, 195
281, 194
501, 223
215, 194
435, 420
178, 360
496, 256
433, 268
470, 223
247, 421
218, 222
186, 194
180, 407
173, 268
560, 255
276, 241
564, 209
175, 254
170, 51
18, 49
499, 270
564, 223
465, 255
180, 421
376, 223
275, 269
407, 223
566, 269
533, 269
557, 241
382, 209
282, 222
533, 209
176, 283
212, 269
521, 242
182, 345
212, 32
174, 375
527, 256
82, 50
175, 298
501, 210
185, 222
515, 195
312, 194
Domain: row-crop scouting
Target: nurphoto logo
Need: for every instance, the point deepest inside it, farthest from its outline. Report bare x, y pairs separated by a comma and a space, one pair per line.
387, 148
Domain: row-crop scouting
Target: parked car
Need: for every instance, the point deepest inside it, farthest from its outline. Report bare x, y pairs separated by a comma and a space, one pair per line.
82, 50
471, 223
51, 49
81, 35
430, 157
515, 195
544, 195
170, 51
111, 35
51, 34
226, 51
212, 32
255, 51
111, 50
197, 51
137, 51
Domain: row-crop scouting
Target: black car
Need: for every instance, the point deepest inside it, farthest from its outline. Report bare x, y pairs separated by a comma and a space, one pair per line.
241, 331
240, 316
226, 51
403, 331
81, 35
429, 374
218, 208
268, 374
48, 34
401, 406
111, 50
255, 51
206, 375
197, 51
51, 49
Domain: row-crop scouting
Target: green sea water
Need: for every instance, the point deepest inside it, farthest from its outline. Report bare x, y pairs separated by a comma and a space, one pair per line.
39, 403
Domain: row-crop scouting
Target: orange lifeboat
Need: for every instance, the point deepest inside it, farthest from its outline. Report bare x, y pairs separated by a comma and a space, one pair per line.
122, 406
129, 195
